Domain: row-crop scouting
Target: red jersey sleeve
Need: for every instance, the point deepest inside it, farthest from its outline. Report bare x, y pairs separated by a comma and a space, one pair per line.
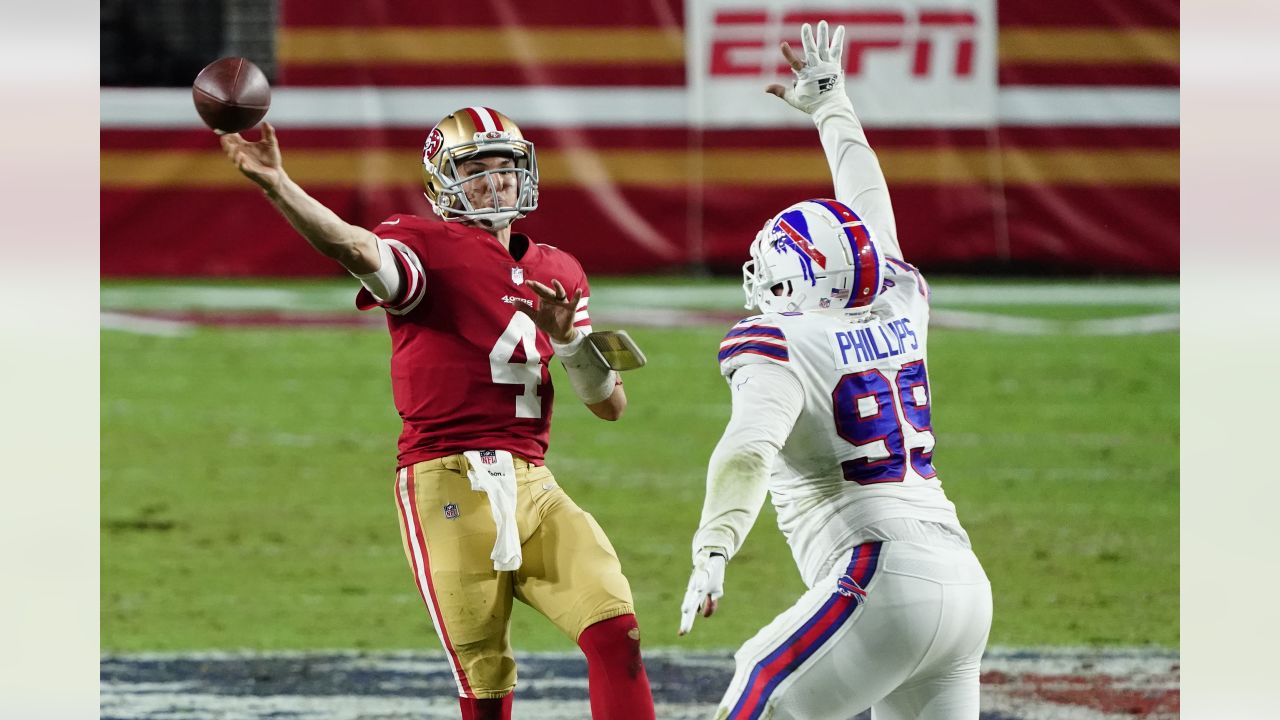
582, 316
577, 281
405, 240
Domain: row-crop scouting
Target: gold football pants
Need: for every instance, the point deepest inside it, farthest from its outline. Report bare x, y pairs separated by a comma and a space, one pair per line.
570, 572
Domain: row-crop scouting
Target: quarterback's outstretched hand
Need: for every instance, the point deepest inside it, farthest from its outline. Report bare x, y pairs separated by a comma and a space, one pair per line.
259, 161
555, 311
706, 587
819, 75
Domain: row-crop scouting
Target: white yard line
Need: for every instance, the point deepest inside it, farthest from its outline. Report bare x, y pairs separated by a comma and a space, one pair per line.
1011, 325
138, 325
678, 294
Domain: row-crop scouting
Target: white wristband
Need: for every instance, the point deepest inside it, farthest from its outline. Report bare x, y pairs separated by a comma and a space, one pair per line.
572, 347
592, 380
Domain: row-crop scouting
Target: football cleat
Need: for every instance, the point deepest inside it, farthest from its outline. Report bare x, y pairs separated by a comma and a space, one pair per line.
815, 255
472, 133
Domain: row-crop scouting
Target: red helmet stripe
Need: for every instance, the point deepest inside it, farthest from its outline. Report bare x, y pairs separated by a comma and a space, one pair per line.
805, 246
866, 257
493, 115
476, 119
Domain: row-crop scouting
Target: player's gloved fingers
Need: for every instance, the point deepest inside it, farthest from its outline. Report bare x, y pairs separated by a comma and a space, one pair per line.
822, 48
778, 90
688, 610
807, 42
837, 47
686, 622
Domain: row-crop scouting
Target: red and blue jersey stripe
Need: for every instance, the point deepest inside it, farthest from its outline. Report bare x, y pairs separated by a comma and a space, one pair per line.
921, 285
810, 636
765, 340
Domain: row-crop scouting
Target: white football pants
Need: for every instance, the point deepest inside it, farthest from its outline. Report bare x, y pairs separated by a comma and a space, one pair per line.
896, 626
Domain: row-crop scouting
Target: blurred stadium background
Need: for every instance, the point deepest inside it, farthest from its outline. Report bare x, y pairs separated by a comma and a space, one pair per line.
247, 429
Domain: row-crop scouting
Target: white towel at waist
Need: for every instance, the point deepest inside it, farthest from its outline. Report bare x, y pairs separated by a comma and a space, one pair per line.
494, 473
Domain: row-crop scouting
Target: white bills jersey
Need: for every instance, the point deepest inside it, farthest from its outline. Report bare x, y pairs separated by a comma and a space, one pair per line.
861, 450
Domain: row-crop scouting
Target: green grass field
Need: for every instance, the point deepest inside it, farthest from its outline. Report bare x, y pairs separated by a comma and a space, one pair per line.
247, 475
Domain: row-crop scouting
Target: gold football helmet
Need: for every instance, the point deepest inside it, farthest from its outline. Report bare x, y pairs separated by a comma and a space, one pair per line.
470, 133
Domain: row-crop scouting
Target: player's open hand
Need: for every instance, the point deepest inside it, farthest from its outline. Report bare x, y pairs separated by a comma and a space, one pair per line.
819, 74
259, 161
706, 587
555, 310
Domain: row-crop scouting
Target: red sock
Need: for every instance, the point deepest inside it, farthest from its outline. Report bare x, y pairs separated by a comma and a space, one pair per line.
615, 673
486, 708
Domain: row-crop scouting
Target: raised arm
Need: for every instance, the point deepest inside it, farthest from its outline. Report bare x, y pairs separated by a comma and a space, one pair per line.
855, 170
355, 248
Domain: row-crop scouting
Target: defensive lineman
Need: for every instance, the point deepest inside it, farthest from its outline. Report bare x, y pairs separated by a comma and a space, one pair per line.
475, 313
831, 416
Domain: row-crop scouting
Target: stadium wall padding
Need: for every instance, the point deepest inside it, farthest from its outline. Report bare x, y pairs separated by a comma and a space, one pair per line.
1086, 181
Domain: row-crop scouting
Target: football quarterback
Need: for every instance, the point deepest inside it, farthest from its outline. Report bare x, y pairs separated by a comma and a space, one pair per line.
476, 312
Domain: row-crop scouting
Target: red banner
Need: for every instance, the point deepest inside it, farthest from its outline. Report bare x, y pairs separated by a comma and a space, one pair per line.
1079, 174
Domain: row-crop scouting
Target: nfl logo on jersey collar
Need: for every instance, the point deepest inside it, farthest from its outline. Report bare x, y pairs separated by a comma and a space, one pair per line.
517, 275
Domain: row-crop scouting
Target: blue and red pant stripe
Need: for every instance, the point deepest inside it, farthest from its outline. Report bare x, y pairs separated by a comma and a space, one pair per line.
805, 641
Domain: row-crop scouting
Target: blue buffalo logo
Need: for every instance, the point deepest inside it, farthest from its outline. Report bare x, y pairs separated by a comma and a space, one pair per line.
847, 587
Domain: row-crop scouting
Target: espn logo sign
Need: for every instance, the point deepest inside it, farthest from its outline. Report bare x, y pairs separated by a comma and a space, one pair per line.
927, 40
908, 63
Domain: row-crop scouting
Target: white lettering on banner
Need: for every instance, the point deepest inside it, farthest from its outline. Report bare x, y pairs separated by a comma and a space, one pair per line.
907, 62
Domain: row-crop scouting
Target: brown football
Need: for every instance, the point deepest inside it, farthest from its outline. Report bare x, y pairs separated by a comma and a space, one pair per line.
231, 94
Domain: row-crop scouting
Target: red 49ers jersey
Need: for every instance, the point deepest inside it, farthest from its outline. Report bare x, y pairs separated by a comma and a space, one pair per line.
468, 370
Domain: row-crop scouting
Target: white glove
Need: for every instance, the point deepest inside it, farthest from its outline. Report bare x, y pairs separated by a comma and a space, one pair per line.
819, 75
706, 587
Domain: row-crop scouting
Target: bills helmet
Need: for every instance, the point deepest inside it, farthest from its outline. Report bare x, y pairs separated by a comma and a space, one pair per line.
814, 255
473, 133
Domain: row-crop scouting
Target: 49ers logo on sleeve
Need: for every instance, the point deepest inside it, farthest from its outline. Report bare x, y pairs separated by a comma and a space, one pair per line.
434, 141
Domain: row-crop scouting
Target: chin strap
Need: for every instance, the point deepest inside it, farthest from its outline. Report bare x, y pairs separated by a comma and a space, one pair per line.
497, 220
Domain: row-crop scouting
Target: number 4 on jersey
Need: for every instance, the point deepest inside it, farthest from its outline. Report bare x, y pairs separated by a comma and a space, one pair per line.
865, 406
520, 332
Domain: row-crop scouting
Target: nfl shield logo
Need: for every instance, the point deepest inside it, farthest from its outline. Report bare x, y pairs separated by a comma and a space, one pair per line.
517, 275
451, 511
488, 457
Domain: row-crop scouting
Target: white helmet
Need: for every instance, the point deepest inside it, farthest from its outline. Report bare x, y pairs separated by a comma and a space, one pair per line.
814, 255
